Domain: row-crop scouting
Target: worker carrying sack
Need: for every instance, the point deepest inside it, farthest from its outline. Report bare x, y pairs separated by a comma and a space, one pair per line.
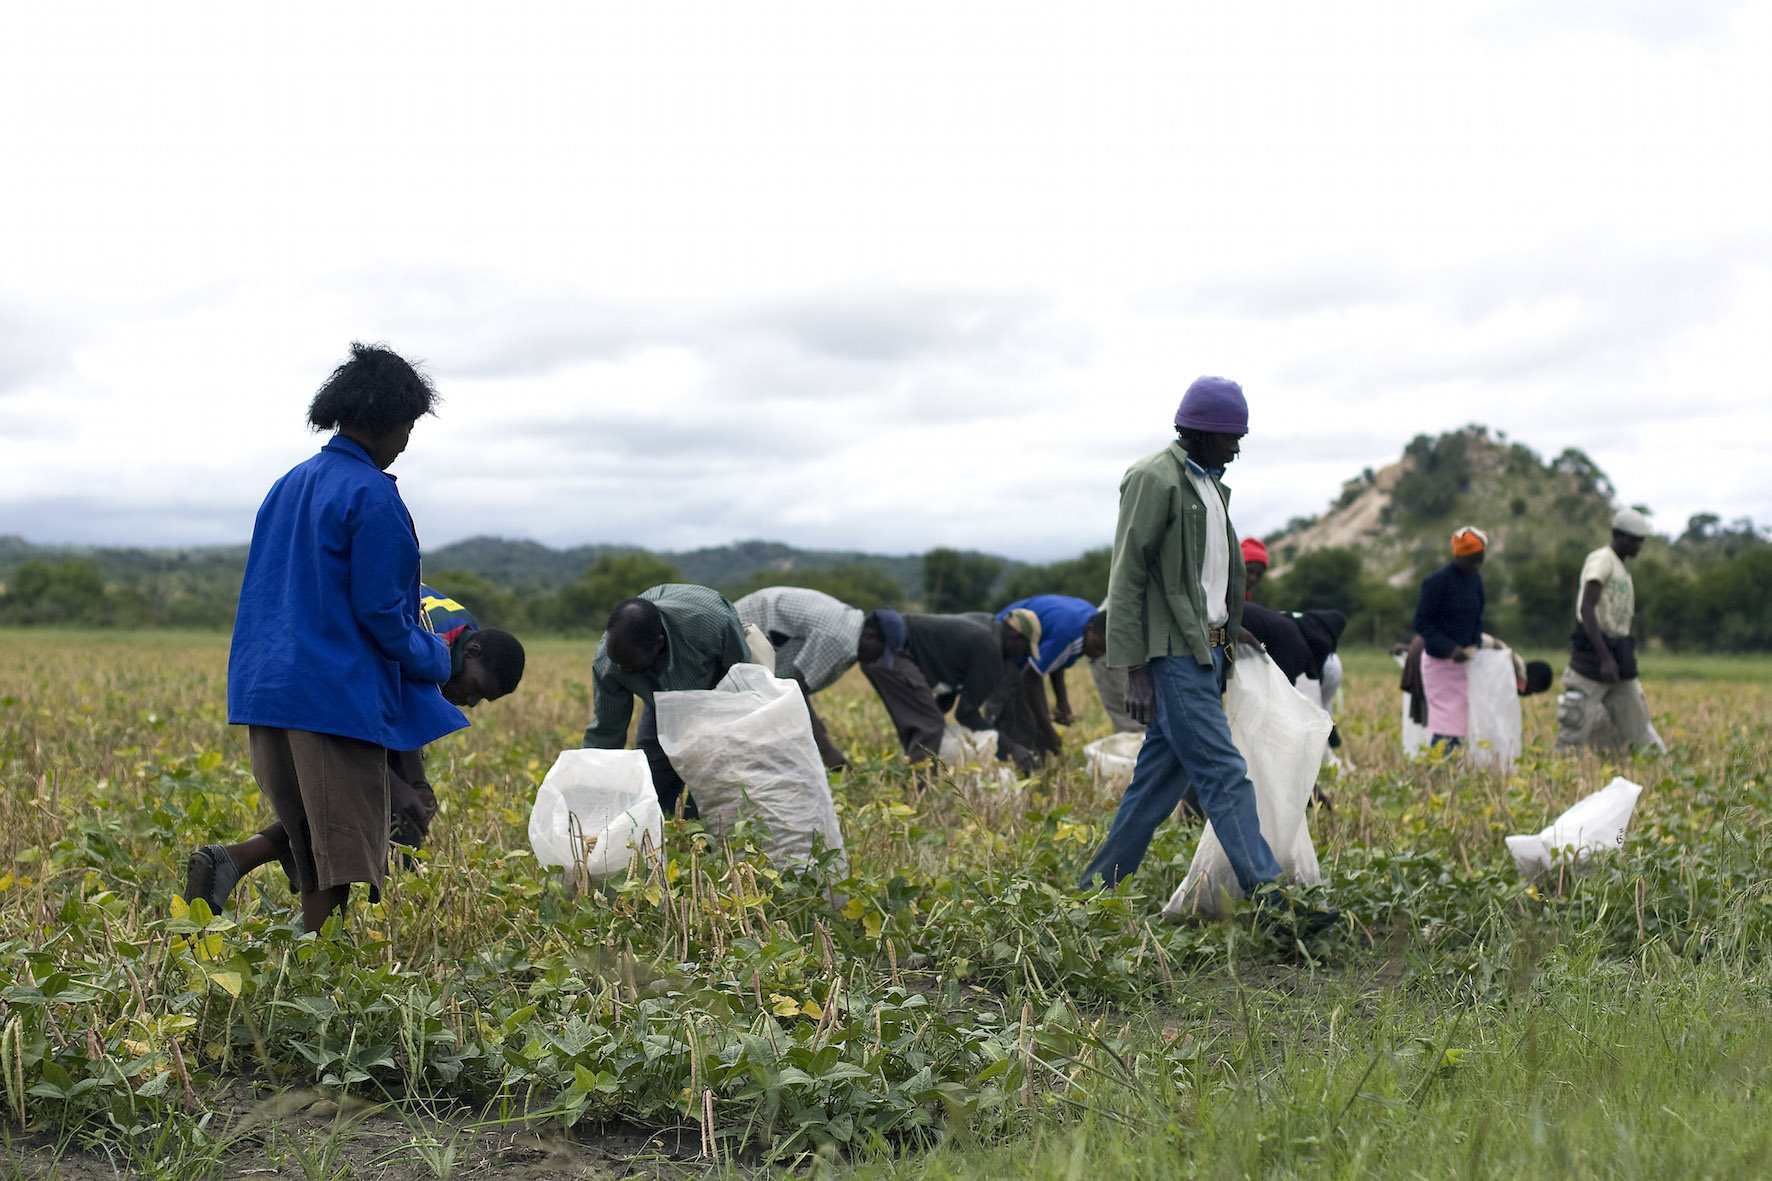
595, 812
1282, 735
745, 751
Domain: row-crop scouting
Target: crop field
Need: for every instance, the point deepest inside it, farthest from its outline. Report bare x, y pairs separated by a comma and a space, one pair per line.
952, 1008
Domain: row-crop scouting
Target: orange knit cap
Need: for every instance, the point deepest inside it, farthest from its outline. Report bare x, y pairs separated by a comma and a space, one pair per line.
1469, 540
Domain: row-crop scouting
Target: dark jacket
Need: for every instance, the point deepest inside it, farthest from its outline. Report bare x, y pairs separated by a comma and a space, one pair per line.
1449, 611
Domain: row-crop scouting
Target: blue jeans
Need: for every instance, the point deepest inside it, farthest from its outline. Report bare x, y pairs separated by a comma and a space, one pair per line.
1187, 746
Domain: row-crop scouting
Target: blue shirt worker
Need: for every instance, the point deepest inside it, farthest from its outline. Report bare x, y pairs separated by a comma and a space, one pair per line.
485, 664
331, 665
1069, 628
1172, 618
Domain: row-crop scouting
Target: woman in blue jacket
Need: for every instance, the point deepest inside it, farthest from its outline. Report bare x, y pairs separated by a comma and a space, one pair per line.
332, 664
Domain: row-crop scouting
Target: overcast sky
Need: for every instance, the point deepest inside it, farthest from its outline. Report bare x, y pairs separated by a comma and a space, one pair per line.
878, 277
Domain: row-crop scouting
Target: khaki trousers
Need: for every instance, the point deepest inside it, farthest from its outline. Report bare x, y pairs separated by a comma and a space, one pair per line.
1609, 716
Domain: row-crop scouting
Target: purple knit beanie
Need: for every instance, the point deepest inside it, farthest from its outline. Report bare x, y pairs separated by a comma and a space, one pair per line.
1214, 404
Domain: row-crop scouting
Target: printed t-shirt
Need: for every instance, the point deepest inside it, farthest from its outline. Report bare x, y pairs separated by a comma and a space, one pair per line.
1618, 596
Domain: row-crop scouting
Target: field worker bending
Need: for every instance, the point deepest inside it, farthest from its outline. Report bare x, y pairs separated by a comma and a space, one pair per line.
484, 666
816, 639
1069, 628
924, 665
1449, 619
1254, 565
1600, 685
1173, 609
331, 664
674, 636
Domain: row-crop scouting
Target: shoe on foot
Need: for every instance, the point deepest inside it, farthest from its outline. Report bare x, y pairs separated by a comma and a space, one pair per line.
211, 876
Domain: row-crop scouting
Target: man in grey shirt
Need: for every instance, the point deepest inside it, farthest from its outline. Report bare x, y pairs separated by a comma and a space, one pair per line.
816, 639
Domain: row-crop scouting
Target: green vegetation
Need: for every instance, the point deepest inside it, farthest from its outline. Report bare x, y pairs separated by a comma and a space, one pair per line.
955, 1010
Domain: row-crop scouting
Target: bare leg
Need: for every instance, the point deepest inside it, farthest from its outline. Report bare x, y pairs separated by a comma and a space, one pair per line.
319, 905
254, 851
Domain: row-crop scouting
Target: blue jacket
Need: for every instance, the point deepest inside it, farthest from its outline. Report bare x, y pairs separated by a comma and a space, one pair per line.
1449, 613
1062, 619
329, 636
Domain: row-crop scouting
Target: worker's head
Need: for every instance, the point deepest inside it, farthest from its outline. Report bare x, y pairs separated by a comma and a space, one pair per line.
635, 636
1095, 636
1469, 546
1211, 421
883, 635
488, 664
1021, 634
1629, 529
374, 398
1254, 562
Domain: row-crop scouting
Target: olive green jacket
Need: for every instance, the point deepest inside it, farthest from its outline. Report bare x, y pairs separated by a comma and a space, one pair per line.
1155, 606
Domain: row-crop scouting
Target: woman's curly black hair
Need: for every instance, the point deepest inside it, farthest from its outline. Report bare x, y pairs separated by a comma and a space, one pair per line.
375, 391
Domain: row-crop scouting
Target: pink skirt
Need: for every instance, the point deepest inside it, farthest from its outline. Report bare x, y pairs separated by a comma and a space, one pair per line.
1447, 684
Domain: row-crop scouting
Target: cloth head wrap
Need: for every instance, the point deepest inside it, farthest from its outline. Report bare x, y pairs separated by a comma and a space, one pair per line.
890, 625
1028, 624
1254, 551
1214, 404
1469, 540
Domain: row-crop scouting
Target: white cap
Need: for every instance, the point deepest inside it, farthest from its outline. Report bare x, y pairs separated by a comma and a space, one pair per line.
1629, 520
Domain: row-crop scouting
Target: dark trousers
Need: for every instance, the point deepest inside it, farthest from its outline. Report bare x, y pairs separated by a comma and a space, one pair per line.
665, 780
916, 718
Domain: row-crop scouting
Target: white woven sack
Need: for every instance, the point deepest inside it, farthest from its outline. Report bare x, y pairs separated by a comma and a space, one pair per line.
1111, 760
745, 749
1495, 734
961, 747
1595, 821
595, 811
1281, 735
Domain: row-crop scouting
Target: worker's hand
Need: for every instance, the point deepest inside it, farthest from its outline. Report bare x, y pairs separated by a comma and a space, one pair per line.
412, 808
1608, 668
1140, 695
1061, 716
1460, 655
1245, 636
1050, 741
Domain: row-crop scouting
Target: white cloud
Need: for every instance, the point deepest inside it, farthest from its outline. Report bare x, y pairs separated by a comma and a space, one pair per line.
878, 279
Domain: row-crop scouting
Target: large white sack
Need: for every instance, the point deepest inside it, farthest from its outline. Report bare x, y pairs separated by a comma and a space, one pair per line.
1595, 821
1112, 760
1281, 734
745, 750
1494, 739
595, 811
961, 747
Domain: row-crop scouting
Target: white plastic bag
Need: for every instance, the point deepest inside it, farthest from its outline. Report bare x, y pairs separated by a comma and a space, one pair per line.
1594, 822
1281, 734
961, 747
1494, 739
1111, 760
745, 750
762, 651
596, 810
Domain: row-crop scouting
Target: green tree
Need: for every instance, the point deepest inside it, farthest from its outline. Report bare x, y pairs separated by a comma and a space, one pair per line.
955, 581
610, 579
860, 584
68, 591
1084, 577
1324, 579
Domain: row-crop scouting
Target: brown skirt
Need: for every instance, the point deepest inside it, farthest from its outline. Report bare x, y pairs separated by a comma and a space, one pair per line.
331, 795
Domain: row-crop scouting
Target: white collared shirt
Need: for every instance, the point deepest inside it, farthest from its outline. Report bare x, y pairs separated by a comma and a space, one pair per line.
1215, 570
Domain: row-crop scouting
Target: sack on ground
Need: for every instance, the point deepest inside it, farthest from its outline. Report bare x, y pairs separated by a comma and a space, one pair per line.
745, 751
1594, 822
594, 812
1111, 760
1495, 737
961, 747
1282, 736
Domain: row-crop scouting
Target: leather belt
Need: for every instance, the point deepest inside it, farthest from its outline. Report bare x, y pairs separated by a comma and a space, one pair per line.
1218, 637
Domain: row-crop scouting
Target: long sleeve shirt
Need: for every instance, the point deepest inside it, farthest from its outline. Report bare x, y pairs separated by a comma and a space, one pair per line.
329, 636
1449, 611
965, 654
1062, 620
1157, 603
815, 635
703, 639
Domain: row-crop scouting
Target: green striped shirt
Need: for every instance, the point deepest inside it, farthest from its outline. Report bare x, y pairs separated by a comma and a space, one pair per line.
703, 638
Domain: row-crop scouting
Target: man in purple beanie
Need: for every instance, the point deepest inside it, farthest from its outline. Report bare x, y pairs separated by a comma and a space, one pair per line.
1172, 618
